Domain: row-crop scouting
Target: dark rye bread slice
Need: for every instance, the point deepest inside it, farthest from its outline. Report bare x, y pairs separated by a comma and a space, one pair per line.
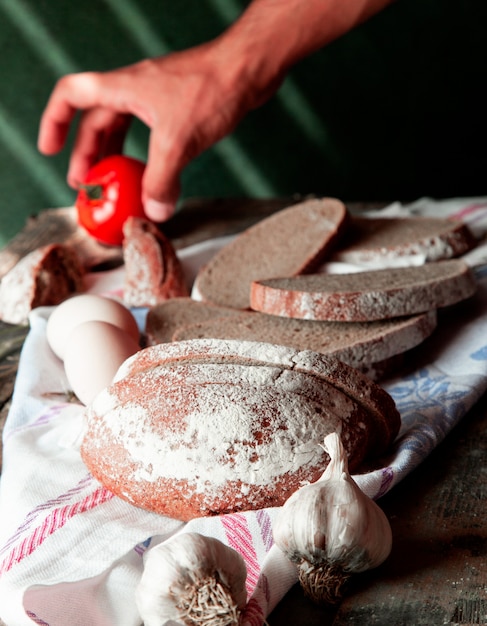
203, 439
44, 277
366, 296
289, 242
359, 344
372, 397
381, 241
153, 272
165, 318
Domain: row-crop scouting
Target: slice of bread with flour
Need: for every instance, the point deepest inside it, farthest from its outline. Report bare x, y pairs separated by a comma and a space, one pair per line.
366, 296
290, 242
153, 272
44, 277
393, 241
165, 318
360, 344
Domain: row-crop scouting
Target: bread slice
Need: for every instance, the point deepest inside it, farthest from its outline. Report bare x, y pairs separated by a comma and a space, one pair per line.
349, 380
289, 242
366, 296
386, 241
359, 344
164, 319
205, 428
153, 272
169, 320
44, 277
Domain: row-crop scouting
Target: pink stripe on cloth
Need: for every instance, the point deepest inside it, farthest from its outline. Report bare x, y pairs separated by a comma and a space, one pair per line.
239, 538
465, 212
53, 522
46, 506
43, 419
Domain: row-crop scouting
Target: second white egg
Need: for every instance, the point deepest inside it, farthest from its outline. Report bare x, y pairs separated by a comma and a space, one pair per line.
94, 352
83, 308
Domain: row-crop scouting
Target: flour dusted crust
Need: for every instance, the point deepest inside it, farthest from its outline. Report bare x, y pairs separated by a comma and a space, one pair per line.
389, 241
210, 427
378, 403
366, 296
153, 272
289, 242
44, 277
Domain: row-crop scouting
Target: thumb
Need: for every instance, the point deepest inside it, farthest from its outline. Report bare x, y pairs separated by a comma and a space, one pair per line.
161, 184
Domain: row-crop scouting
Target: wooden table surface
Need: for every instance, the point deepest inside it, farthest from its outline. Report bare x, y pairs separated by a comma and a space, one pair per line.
436, 574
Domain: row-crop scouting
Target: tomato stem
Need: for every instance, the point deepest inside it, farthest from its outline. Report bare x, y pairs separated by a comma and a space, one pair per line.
94, 192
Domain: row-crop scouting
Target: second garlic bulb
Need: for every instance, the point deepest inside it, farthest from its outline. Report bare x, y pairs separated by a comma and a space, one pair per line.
332, 529
192, 579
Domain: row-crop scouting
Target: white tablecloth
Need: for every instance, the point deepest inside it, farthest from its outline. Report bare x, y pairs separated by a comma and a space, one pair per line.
71, 553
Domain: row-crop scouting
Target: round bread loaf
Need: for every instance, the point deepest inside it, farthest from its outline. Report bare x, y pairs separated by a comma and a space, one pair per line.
223, 428
289, 242
372, 397
365, 296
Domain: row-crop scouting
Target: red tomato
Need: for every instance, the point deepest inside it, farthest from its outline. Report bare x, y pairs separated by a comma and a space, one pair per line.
110, 193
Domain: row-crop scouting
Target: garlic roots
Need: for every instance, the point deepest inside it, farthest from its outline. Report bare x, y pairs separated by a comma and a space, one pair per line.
192, 580
332, 529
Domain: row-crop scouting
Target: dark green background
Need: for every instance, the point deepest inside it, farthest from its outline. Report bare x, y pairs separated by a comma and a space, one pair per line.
394, 110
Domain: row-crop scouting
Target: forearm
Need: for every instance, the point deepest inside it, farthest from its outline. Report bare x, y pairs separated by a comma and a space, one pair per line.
272, 35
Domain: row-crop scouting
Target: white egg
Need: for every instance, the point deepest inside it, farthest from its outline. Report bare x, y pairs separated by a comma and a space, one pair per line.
94, 352
83, 308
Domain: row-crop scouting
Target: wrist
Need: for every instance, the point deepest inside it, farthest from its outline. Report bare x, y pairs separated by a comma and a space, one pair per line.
272, 35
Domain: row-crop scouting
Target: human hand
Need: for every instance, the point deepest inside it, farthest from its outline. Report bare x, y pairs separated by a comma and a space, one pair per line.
188, 99
191, 99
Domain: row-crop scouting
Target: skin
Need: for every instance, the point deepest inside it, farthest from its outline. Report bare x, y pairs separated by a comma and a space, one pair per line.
191, 99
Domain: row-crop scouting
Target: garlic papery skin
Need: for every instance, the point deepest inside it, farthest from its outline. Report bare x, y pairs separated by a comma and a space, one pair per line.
192, 579
332, 529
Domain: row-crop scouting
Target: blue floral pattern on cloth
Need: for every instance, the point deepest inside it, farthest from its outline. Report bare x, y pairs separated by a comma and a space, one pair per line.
450, 378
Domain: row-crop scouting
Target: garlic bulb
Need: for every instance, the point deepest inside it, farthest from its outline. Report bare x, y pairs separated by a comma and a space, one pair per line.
191, 579
332, 529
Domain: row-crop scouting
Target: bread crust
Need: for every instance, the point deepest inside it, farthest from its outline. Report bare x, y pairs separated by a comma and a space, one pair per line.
349, 380
366, 296
216, 430
44, 277
153, 272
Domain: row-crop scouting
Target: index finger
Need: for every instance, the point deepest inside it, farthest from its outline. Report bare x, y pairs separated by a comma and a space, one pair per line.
71, 93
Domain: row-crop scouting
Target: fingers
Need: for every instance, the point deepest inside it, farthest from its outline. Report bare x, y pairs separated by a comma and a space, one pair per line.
71, 93
102, 126
161, 185
169, 94
101, 132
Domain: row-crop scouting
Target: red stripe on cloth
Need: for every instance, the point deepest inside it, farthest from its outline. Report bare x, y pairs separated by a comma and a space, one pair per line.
44, 507
53, 522
471, 208
239, 538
